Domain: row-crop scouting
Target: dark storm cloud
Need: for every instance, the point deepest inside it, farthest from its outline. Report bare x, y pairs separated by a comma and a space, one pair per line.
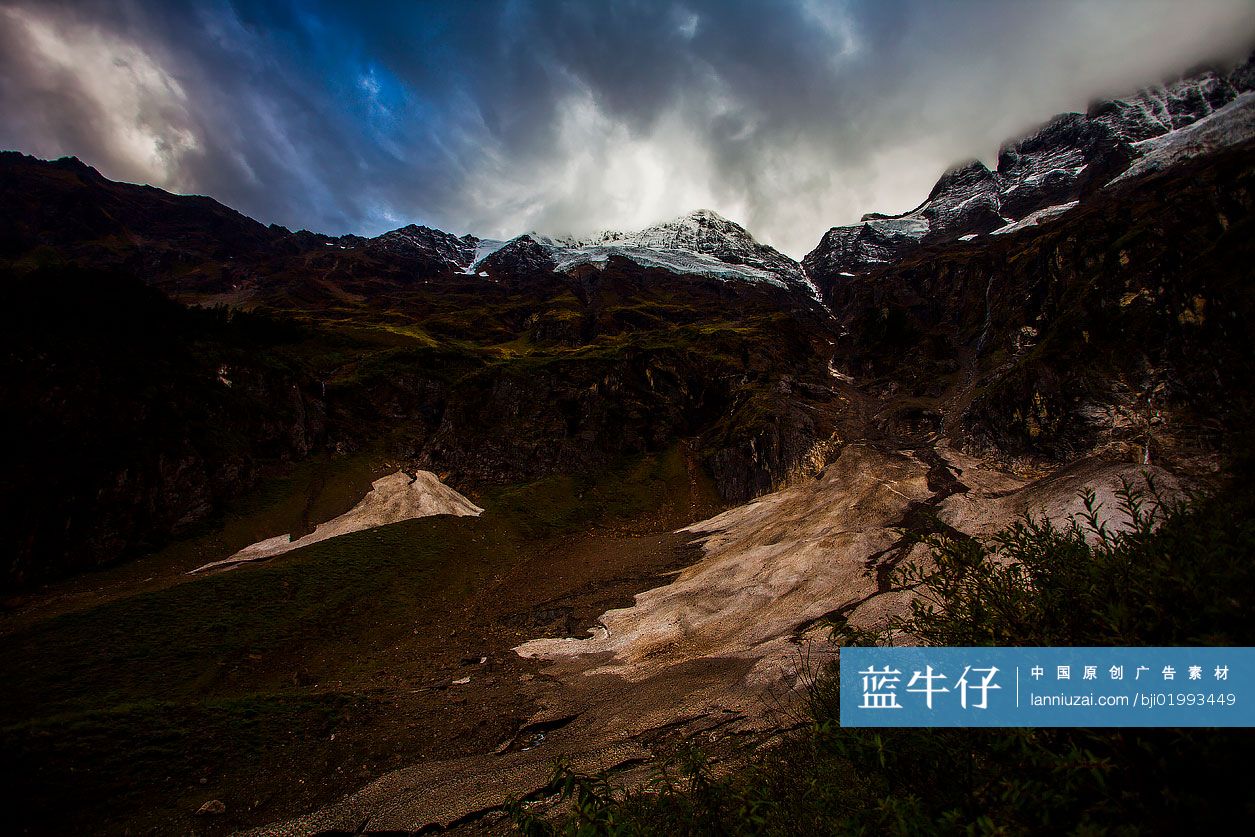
495, 117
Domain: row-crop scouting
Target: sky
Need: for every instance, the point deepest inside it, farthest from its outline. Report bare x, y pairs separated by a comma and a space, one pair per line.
500, 116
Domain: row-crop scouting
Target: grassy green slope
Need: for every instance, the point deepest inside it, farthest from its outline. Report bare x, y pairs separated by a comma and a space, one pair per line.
313, 669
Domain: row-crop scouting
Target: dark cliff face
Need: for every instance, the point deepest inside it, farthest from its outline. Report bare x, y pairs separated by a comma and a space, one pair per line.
597, 365
130, 417
1119, 322
1085, 295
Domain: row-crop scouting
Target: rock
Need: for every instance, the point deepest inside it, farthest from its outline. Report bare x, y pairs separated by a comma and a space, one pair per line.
519, 260
426, 250
1068, 326
212, 808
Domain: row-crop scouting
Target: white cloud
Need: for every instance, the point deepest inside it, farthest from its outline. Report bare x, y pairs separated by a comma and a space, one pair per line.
140, 113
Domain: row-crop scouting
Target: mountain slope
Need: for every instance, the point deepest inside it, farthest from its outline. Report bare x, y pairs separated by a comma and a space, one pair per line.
496, 364
68, 205
1119, 325
387, 344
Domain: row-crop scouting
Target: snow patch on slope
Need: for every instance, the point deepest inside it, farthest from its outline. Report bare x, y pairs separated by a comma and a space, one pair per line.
677, 261
391, 499
484, 248
1232, 124
1035, 218
791, 557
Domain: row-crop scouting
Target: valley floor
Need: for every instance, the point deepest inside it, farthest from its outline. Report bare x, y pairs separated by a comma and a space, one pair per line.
141, 693
422, 673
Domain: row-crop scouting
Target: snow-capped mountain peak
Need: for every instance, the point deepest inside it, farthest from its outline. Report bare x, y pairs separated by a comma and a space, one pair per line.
1045, 173
434, 246
701, 243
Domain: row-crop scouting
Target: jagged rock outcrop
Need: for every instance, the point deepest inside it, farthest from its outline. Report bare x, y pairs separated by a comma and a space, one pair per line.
432, 250
516, 260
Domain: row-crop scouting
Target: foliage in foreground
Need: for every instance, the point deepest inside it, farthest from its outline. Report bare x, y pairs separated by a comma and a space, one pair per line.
1179, 574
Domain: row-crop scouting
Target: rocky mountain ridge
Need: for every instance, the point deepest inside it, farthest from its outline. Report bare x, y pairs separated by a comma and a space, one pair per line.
1036, 178
1044, 174
700, 243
